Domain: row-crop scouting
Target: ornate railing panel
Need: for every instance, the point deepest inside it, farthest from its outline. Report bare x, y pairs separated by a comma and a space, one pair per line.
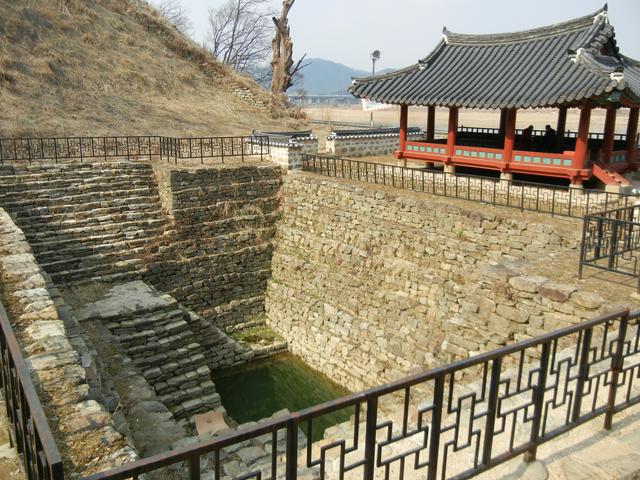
451, 422
29, 431
522, 195
437, 425
611, 241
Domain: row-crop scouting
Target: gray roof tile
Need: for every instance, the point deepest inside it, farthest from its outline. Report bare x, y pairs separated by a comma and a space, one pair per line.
544, 67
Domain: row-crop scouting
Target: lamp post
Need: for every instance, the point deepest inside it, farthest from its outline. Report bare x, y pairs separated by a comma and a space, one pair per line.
375, 56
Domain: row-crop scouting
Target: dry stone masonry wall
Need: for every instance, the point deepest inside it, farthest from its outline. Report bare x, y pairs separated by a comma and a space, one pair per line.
215, 257
370, 285
365, 145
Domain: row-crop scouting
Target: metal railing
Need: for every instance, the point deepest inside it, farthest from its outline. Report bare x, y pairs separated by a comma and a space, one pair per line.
28, 428
536, 197
69, 149
527, 394
611, 241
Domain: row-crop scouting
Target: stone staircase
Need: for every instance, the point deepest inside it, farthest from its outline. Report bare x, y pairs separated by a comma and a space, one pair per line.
173, 348
85, 221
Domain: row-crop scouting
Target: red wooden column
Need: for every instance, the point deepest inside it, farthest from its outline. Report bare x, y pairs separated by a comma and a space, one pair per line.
562, 122
582, 140
404, 118
431, 124
503, 121
609, 130
509, 136
452, 131
632, 133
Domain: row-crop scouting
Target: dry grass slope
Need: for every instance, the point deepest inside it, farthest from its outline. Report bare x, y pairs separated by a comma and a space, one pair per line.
111, 67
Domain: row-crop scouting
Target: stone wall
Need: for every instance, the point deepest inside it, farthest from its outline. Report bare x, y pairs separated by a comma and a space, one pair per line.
215, 257
60, 360
369, 285
289, 155
367, 145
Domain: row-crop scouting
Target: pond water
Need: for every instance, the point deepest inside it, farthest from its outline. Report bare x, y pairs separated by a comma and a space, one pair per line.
258, 390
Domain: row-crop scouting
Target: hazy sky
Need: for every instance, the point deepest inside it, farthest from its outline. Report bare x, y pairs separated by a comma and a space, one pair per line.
346, 31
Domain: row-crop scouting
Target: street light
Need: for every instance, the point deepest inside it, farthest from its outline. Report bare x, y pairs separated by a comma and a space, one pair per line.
375, 56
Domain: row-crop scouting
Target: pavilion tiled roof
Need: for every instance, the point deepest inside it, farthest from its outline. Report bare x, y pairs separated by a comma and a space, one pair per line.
550, 66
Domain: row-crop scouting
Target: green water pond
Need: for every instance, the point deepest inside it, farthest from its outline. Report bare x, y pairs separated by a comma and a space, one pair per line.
258, 390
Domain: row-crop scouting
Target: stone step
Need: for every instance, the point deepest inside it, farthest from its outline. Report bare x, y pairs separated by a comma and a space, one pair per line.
43, 173
23, 199
137, 210
75, 252
63, 187
106, 239
49, 206
78, 229
127, 269
124, 325
90, 260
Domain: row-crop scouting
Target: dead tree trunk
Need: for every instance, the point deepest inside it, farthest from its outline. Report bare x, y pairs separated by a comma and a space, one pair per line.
282, 65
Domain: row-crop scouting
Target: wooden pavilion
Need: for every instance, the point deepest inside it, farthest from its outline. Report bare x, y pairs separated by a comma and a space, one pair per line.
575, 64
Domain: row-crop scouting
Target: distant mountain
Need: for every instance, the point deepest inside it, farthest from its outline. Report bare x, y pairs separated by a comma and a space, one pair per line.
323, 77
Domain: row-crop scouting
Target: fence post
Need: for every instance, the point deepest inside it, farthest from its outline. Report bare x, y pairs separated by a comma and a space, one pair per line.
292, 450
434, 431
538, 400
614, 225
617, 360
585, 223
370, 438
194, 468
583, 371
492, 407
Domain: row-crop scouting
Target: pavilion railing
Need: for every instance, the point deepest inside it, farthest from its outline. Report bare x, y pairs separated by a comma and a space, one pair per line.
611, 241
541, 133
562, 201
20, 151
28, 428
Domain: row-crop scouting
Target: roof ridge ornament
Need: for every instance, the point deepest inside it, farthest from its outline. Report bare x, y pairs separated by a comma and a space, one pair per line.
579, 56
602, 14
617, 80
444, 35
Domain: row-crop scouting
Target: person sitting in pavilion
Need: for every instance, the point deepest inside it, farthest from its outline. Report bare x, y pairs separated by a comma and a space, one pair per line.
527, 134
550, 139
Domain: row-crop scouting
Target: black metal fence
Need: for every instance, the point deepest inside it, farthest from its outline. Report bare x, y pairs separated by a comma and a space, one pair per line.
70, 149
525, 395
28, 428
433, 423
611, 241
536, 197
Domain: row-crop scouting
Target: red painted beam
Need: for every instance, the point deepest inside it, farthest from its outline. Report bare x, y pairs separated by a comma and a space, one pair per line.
632, 133
582, 140
431, 123
452, 130
562, 122
404, 118
609, 130
509, 136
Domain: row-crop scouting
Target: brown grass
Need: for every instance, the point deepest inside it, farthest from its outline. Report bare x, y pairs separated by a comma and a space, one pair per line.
75, 67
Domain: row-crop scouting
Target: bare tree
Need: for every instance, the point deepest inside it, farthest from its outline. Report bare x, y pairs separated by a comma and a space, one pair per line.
175, 14
282, 65
239, 35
